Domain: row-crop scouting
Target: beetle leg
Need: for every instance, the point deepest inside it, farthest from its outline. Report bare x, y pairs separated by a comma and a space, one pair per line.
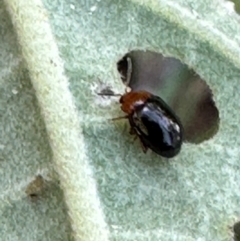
133, 132
144, 147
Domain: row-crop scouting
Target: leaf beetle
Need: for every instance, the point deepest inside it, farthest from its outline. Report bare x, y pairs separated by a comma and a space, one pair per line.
153, 121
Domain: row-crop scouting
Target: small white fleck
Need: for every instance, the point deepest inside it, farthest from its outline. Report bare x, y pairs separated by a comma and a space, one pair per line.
2, 147
128, 89
93, 8
115, 226
72, 6
14, 91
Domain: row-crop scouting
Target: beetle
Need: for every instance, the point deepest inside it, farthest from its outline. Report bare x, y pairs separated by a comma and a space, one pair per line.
153, 121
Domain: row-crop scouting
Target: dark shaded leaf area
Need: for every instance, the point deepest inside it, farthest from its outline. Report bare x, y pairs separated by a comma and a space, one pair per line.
183, 90
236, 231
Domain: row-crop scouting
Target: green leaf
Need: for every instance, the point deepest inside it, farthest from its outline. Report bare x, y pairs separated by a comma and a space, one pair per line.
53, 59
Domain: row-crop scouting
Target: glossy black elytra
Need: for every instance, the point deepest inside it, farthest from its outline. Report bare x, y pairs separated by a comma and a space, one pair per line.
153, 121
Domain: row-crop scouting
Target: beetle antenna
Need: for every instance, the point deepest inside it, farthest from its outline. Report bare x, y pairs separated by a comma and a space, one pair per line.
119, 118
109, 94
